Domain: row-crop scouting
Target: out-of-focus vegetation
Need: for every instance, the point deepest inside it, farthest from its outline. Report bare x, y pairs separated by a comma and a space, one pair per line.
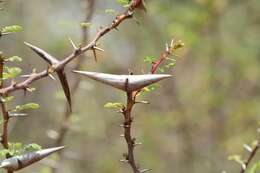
194, 122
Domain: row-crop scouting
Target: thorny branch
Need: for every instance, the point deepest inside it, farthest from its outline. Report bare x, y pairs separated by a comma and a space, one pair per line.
24, 85
129, 157
5, 114
131, 142
165, 54
250, 158
77, 51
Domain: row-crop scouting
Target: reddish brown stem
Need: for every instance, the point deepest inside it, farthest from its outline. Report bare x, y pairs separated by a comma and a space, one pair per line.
5, 114
158, 62
250, 158
128, 119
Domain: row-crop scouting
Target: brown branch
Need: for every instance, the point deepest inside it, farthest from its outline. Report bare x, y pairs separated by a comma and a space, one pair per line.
128, 119
92, 45
127, 112
250, 158
67, 113
5, 114
131, 101
164, 55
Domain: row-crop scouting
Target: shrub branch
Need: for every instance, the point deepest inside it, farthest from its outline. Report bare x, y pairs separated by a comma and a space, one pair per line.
5, 114
76, 52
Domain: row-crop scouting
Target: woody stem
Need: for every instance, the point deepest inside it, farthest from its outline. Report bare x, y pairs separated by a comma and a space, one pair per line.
128, 119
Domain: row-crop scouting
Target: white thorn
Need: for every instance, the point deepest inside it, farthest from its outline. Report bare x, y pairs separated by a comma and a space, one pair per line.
51, 76
145, 170
18, 162
73, 44
142, 102
243, 166
26, 75
98, 48
172, 42
127, 83
167, 47
248, 148
17, 115
124, 161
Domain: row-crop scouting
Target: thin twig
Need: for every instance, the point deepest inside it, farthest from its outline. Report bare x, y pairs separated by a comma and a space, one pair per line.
170, 48
250, 158
92, 45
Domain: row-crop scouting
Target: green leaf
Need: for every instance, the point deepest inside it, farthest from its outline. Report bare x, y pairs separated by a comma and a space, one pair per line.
13, 28
31, 89
161, 69
7, 99
17, 145
150, 88
124, 3
15, 149
238, 159
171, 59
32, 147
114, 105
235, 157
27, 106
110, 11
45, 170
11, 72
4, 152
149, 59
85, 24
170, 65
14, 59
255, 168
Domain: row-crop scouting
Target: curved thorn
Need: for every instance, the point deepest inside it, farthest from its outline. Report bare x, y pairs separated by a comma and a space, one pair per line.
65, 86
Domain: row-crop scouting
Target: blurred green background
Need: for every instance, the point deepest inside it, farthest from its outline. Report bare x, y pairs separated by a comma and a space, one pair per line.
195, 120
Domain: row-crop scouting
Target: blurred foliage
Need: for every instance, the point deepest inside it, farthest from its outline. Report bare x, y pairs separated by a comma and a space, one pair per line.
194, 122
